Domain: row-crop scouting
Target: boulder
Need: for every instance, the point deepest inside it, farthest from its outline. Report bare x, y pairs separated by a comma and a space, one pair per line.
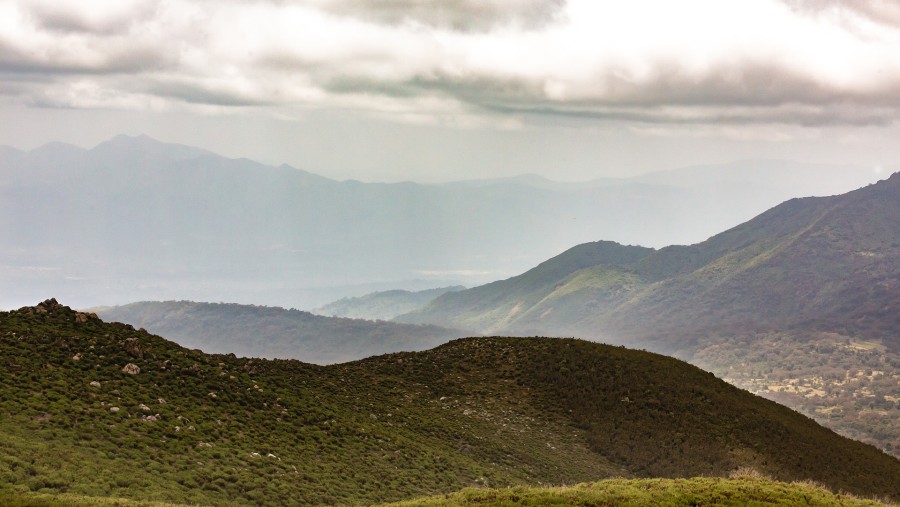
133, 347
131, 369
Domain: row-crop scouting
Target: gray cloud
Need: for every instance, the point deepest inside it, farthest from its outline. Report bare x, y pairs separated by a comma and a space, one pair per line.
72, 17
479, 58
461, 15
197, 93
879, 11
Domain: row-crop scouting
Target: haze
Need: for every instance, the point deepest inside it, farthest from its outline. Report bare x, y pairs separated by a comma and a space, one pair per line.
748, 102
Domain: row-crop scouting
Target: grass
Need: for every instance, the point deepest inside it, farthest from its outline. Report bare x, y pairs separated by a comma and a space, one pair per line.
15, 498
704, 491
747, 490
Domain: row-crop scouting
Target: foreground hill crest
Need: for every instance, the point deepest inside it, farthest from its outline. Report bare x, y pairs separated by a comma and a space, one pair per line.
218, 429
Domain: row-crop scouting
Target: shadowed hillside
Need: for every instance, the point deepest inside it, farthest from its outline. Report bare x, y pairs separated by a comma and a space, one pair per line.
103, 409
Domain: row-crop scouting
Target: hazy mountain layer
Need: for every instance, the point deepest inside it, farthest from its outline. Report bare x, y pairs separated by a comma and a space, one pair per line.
260, 331
818, 275
383, 305
135, 219
101, 409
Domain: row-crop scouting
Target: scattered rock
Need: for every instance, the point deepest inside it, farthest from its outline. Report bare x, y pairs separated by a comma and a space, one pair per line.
81, 318
204, 444
133, 347
152, 418
114, 410
131, 369
95, 384
143, 407
77, 357
212, 395
161, 401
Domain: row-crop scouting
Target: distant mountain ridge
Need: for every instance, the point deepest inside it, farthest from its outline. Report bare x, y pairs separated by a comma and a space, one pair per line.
136, 219
271, 332
124, 413
791, 264
383, 305
797, 304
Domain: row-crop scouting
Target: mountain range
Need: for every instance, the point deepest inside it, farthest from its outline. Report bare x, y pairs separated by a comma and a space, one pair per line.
106, 410
801, 303
136, 219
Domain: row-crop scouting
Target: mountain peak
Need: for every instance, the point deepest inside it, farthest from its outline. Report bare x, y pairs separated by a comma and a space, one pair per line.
145, 146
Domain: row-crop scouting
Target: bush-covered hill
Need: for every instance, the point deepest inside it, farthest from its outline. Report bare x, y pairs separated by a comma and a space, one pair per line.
98, 409
264, 331
805, 296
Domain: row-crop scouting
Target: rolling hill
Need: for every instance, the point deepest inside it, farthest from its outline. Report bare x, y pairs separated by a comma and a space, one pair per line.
275, 333
101, 409
801, 303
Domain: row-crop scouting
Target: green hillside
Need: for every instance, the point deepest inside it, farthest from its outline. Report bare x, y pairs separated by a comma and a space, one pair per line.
501, 305
262, 331
98, 409
765, 304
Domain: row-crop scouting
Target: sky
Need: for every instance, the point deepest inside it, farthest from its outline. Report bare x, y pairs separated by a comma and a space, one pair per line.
439, 90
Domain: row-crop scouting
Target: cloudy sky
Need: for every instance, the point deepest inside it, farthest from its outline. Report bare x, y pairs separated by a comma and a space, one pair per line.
435, 90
